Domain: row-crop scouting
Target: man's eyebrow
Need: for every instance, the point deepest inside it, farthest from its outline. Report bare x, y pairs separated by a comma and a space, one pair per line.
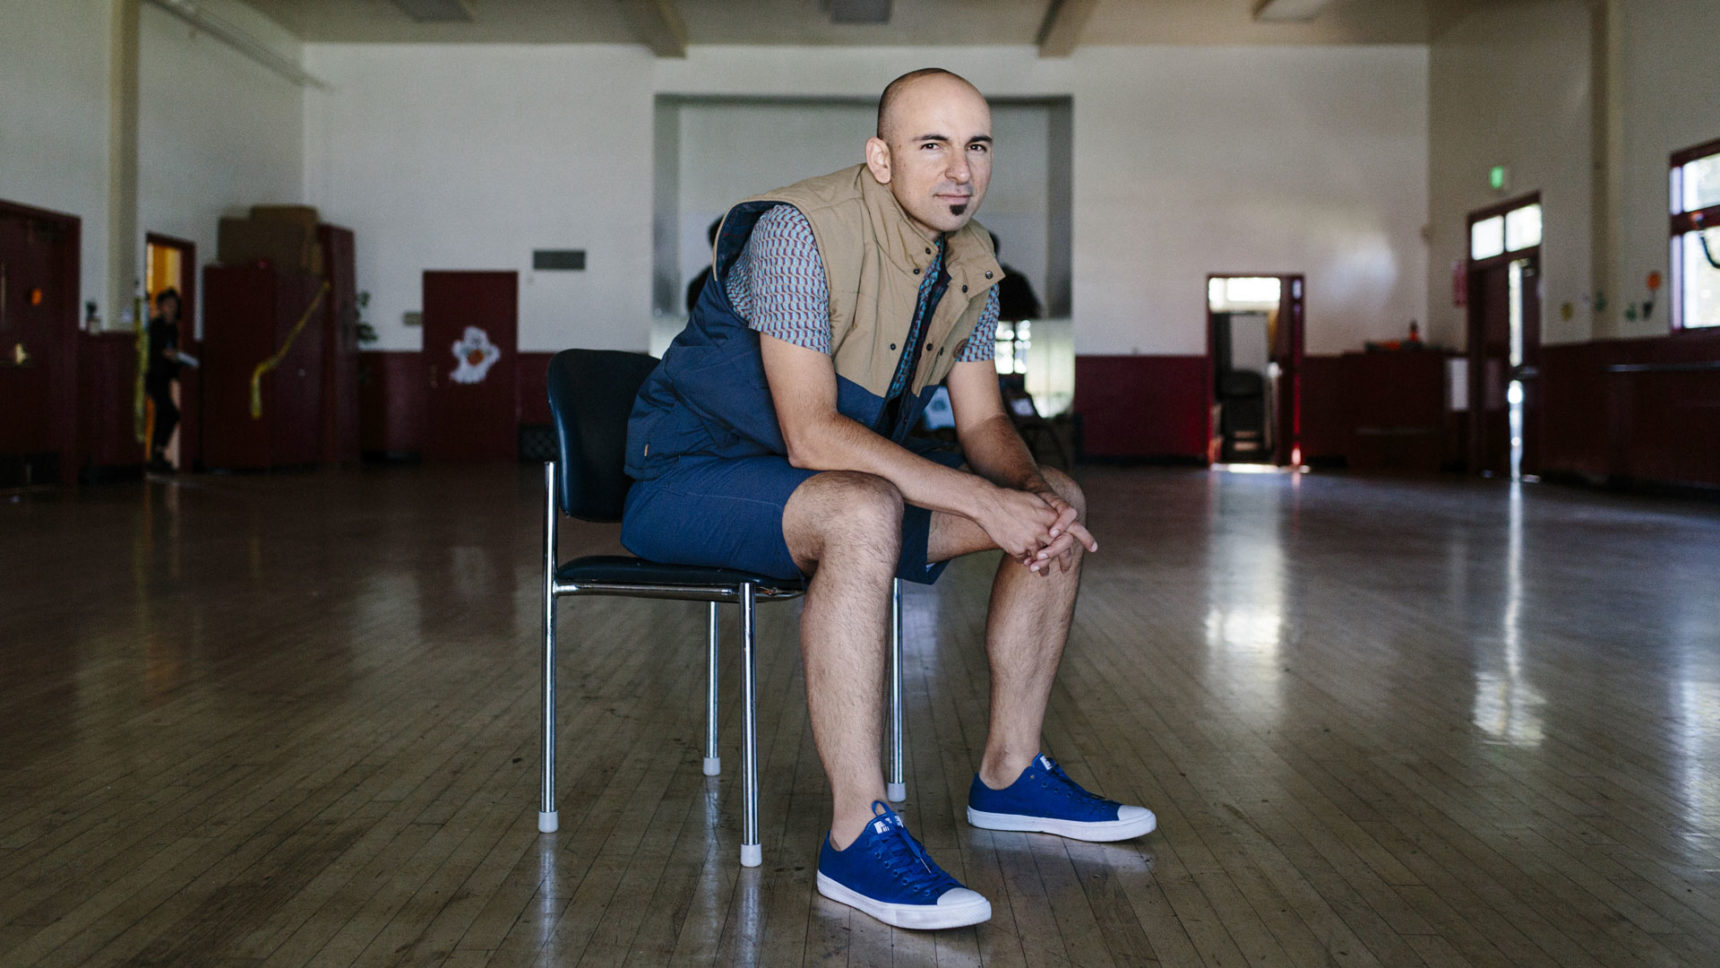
944, 137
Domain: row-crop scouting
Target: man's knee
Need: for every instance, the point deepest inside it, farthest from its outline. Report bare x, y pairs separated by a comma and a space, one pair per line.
848, 513
1067, 489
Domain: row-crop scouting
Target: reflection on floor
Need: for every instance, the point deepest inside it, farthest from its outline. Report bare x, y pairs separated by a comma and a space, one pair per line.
290, 720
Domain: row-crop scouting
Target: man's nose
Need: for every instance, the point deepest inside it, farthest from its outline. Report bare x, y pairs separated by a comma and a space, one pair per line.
958, 170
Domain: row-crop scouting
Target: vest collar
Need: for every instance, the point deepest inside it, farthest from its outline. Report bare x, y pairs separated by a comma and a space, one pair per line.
967, 257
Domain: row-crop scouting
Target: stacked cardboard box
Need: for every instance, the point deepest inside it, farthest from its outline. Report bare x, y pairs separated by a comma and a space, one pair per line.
284, 236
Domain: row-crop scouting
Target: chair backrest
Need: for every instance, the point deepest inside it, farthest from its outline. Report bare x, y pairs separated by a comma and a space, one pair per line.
590, 396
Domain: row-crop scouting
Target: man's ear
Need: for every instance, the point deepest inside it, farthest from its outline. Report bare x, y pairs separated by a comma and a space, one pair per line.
878, 159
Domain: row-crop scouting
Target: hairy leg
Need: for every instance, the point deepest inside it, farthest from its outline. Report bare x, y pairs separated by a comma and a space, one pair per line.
1025, 633
845, 528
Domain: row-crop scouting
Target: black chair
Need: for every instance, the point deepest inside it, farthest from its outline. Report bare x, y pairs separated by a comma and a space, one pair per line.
590, 396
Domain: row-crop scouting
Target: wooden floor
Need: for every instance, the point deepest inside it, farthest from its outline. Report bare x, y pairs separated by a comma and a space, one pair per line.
291, 720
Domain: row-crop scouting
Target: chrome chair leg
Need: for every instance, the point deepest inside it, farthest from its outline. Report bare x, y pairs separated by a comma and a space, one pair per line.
713, 762
896, 788
751, 853
548, 818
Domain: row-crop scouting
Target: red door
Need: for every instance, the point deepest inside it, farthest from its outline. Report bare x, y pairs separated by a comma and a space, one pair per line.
470, 349
38, 346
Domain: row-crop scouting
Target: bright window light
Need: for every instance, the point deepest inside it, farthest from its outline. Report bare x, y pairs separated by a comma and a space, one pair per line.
1701, 187
1695, 196
1523, 227
1487, 238
1252, 289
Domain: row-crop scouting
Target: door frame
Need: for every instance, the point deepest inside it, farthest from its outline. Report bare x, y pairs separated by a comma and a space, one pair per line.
62, 405
1286, 350
1529, 370
189, 451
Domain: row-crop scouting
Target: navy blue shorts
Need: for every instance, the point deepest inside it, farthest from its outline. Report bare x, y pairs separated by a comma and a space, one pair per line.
727, 513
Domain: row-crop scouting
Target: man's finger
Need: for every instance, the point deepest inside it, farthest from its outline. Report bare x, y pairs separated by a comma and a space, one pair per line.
1065, 517
1084, 536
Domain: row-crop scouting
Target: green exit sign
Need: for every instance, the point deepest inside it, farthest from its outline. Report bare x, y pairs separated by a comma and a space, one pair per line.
1497, 178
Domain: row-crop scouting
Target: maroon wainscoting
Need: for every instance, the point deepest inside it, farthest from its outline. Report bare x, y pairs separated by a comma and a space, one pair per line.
1644, 410
391, 402
1395, 405
1325, 424
107, 376
1143, 406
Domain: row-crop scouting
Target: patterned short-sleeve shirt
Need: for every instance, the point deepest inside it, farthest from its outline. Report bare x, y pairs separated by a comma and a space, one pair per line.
778, 287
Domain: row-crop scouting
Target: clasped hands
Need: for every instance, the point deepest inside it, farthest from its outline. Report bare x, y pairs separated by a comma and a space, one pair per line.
1037, 528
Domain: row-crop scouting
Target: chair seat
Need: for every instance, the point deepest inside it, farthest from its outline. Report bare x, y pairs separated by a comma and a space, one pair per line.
628, 570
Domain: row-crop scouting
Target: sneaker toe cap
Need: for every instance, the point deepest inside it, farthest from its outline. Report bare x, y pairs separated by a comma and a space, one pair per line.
961, 897
1132, 815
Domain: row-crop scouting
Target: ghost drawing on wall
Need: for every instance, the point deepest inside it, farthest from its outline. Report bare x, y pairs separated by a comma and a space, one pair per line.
476, 354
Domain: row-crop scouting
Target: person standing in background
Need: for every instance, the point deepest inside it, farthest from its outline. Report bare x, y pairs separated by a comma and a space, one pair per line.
159, 375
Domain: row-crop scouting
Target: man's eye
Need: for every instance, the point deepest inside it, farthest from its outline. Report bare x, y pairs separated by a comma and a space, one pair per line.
980, 147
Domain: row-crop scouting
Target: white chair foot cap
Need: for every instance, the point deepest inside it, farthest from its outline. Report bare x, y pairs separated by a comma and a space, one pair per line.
713, 766
752, 855
549, 822
897, 792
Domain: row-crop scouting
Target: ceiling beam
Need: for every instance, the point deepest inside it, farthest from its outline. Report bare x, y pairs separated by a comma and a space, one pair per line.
657, 25
1061, 29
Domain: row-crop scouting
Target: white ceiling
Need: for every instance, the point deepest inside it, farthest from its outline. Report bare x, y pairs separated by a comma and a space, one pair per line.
912, 23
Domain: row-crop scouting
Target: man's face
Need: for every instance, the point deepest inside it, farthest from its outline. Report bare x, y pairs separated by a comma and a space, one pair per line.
168, 308
936, 152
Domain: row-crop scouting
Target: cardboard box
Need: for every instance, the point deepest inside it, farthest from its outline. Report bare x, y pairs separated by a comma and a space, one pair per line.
282, 244
305, 215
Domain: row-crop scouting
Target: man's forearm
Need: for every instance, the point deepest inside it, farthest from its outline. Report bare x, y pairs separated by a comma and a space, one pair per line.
997, 453
837, 443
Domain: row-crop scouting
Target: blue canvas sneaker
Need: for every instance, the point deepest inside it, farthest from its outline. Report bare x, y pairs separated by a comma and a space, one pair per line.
886, 873
1043, 799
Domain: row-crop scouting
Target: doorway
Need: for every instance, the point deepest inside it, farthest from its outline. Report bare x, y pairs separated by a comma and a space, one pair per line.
170, 263
1504, 335
1254, 351
38, 345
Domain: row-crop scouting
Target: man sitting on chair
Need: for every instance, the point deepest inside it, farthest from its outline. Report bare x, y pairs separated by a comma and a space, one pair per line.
773, 437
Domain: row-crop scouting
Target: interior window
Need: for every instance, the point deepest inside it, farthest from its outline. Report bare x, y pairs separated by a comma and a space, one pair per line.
1696, 237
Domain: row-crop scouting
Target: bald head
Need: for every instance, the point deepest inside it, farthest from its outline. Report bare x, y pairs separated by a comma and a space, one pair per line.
888, 103
933, 148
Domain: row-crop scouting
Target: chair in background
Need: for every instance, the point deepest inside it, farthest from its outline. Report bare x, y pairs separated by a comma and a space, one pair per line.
590, 396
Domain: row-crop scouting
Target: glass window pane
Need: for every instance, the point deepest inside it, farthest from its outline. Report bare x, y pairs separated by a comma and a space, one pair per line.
1701, 180
1701, 281
1261, 289
1523, 228
1487, 238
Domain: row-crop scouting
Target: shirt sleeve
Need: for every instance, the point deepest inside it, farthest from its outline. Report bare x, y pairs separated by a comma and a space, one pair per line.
778, 282
982, 345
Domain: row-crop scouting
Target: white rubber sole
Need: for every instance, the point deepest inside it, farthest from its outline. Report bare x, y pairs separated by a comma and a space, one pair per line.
1131, 822
958, 908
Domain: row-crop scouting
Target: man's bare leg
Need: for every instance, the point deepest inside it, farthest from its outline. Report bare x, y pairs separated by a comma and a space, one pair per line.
846, 529
1026, 629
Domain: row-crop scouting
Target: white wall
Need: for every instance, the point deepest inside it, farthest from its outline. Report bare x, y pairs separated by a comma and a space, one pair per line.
733, 149
1248, 160
1511, 86
217, 131
470, 157
54, 118
1668, 92
1187, 161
